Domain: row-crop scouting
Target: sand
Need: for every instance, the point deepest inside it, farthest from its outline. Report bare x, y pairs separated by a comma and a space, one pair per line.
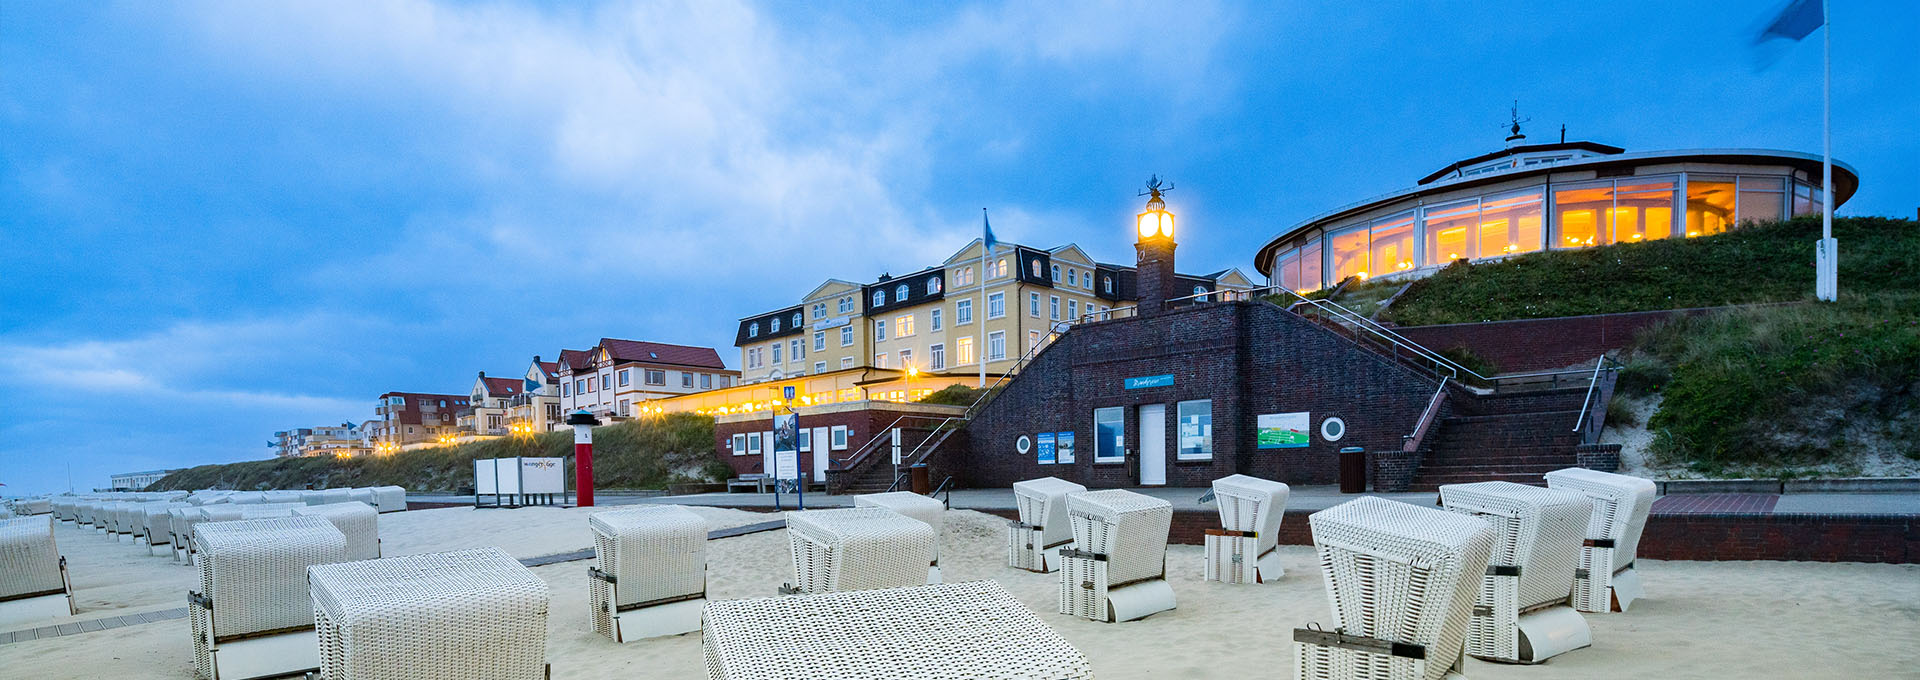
1698, 620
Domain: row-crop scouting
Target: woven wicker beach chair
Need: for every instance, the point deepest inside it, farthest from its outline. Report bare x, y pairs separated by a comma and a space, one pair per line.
33, 575
183, 545
1606, 580
365, 494
440, 616
326, 496
956, 630
1117, 567
389, 498
253, 617
1523, 613
1034, 541
356, 520
919, 507
649, 576
857, 549
1402, 580
1244, 548
32, 506
157, 526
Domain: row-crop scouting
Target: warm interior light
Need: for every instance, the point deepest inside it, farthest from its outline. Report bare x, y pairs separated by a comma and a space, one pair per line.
1147, 225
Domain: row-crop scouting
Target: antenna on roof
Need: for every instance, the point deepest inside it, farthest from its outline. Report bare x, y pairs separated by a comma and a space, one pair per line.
1515, 137
1563, 133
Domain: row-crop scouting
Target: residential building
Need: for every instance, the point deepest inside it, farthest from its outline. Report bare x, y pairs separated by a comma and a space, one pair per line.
139, 481
537, 405
617, 376
943, 321
342, 440
486, 413
408, 418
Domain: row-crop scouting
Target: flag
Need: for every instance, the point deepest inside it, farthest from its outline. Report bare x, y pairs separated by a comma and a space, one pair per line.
986, 228
528, 385
1796, 21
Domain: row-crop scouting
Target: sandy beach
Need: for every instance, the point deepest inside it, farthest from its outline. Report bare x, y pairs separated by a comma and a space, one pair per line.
1698, 620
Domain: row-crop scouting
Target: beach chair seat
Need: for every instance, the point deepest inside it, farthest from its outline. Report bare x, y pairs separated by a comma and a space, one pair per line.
1117, 567
1245, 549
356, 520
1035, 539
33, 575
389, 498
157, 525
856, 549
252, 616
326, 496
1605, 580
1402, 580
923, 508
463, 614
955, 630
1523, 613
649, 577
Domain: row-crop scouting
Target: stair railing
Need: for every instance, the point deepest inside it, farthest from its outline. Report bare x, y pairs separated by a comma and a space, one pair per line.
1411, 442
1588, 412
1358, 324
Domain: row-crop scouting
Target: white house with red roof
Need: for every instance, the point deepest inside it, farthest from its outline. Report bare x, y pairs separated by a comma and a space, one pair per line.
486, 413
616, 377
537, 406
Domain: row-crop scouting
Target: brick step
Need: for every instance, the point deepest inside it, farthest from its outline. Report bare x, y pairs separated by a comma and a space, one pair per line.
1434, 484
1435, 463
1498, 446
1569, 414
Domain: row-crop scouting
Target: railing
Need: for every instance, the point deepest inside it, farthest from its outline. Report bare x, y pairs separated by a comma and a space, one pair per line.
946, 487
1411, 442
1588, 412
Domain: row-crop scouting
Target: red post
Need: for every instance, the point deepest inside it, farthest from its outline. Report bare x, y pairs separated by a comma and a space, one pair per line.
583, 423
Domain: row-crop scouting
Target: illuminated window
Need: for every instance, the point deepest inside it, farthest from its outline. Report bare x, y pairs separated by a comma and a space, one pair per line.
903, 326
1034, 266
963, 350
1287, 267
1762, 199
906, 358
1310, 267
1000, 268
1392, 238
1448, 227
1642, 211
846, 362
1510, 223
1583, 216
1033, 340
880, 360
1349, 252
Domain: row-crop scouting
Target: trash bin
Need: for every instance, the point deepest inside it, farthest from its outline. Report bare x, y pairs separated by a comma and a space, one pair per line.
920, 479
1353, 470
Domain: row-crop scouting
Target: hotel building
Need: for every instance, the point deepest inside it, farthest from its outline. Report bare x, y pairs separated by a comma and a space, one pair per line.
616, 374
408, 418
536, 408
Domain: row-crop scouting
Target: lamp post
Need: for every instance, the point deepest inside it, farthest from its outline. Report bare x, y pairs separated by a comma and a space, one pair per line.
583, 423
1155, 249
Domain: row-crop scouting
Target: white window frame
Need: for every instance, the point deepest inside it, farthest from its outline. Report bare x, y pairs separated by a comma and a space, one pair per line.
838, 438
846, 362
934, 321
819, 341
1120, 450
819, 367
1053, 307
1181, 455
903, 326
964, 351
937, 356
880, 360
879, 330
1002, 337
846, 335
1033, 305
740, 443
963, 311
996, 305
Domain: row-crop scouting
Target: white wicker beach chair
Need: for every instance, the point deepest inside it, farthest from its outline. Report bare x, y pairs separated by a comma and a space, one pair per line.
1402, 580
923, 508
1034, 541
365, 494
33, 575
955, 630
62, 508
32, 506
1245, 547
184, 547
1606, 580
157, 526
357, 521
246, 497
389, 498
286, 496
1117, 567
253, 617
209, 497
1523, 612
857, 549
649, 577
326, 496
440, 616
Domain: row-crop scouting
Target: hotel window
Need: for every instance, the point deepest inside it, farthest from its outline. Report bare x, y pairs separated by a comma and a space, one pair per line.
566, 390
880, 360
1310, 278
606, 382
1349, 251
819, 341
776, 354
934, 319
1033, 340
1392, 238
936, 357
879, 298
1107, 282
1033, 305
686, 379
624, 404
933, 285
996, 305
753, 330
846, 305
1642, 211
773, 325
819, 310
1762, 199
900, 293
740, 445
1109, 434
1196, 429
963, 350
963, 312
839, 441
906, 358
1510, 223
753, 442
1073, 309
996, 345
903, 326
706, 381
796, 350
656, 377
879, 329
1086, 281
623, 378
1073, 277
1450, 228
964, 277
846, 362
1056, 273
1000, 268
1034, 266
846, 335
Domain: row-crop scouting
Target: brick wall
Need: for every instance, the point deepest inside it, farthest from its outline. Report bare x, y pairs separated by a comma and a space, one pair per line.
863, 421
1543, 344
1249, 358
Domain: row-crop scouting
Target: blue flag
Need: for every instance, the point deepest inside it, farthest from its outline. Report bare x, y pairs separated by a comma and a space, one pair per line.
529, 385
1796, 21
987, 228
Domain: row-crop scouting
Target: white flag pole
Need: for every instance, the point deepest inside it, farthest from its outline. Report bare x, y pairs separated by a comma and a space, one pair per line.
980, 308
1830, 264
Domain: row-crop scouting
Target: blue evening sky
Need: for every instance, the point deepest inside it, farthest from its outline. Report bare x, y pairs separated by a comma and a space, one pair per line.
221, 219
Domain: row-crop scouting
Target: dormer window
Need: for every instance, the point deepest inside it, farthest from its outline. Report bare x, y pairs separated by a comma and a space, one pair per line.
796, 320
1199, 290
773, 325
1107, 282
1034, 266
753, 330
933, 285
900, 293
879, 298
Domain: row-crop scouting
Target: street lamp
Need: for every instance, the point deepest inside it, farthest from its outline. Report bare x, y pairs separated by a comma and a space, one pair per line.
1155, 223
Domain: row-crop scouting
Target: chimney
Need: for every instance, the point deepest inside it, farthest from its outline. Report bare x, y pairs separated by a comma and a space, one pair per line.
1154, 268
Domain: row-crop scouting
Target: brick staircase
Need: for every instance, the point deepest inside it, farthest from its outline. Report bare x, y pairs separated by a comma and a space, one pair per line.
1514, 438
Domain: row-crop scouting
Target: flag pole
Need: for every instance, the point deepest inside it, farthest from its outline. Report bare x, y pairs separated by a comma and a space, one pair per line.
1831, 263
980, 313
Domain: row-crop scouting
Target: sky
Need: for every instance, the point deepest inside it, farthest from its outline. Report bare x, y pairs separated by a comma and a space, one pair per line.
223, 219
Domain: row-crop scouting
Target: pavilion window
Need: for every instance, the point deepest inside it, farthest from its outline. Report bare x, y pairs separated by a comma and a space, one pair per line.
1643, 212
1583, 216
1288, 266
1510, 223
1709, 205
1349, 251
1762, 199
1393, 244
1449, 231
1310, 266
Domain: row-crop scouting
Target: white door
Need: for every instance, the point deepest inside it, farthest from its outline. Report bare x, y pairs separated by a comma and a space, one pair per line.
766, 453
1153, 445
820, 445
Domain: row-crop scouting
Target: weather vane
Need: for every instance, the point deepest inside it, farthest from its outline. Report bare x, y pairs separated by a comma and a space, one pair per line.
1513, 125
1154, 188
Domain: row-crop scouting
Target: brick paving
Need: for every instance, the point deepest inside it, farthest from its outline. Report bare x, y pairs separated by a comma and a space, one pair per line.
1716, 504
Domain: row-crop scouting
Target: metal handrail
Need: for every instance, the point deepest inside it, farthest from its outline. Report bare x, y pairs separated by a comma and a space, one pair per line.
1592, 386
945, 486
1411, 442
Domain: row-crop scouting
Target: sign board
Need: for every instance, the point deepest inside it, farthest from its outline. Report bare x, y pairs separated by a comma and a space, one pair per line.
1150, 381
786, 393
786, 446
514, 476
542, 475
484, 481
1047, 451
1283, 430
1064, 447
786, 465
896, 446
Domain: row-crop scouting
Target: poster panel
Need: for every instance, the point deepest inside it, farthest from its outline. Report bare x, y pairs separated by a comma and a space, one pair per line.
1283, 430
1063, 447
1046, 444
